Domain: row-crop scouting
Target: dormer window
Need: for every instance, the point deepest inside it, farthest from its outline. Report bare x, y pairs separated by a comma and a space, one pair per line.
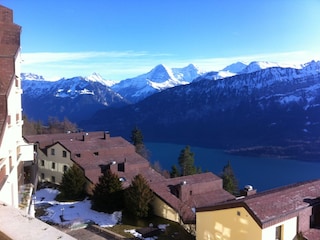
96, 153
53, 152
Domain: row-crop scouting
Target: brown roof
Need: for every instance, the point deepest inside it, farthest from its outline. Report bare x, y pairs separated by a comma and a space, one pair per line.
203, 189
94, 149
270, 207
312, 234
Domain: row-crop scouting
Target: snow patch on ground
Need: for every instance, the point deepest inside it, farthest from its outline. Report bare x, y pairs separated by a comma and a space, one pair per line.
72, 213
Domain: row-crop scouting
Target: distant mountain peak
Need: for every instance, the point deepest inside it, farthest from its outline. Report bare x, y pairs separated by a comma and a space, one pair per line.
235, 67
96, 77
32, 77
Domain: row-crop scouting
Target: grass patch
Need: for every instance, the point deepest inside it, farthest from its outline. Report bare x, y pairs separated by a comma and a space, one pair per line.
173, 230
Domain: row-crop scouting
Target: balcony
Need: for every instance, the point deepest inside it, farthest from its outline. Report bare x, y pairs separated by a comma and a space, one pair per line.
25, 152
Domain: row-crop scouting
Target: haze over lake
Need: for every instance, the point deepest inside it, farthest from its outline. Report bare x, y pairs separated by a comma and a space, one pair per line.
261, 173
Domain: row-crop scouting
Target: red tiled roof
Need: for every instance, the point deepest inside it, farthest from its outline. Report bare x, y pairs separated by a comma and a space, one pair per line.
275, 205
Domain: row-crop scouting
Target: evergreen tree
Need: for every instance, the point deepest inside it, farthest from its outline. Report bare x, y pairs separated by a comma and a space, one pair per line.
73, 184
174, 172
137, 141
136, 137
186, 162
138, 197
107, 194
230, 183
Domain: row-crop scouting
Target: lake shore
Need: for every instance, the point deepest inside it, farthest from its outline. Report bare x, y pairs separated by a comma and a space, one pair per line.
304, 152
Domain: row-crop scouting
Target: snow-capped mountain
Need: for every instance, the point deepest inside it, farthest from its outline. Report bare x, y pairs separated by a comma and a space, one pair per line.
95, 77
31, 77
75, 98
237, 67
158, 79
277, 108
259, 65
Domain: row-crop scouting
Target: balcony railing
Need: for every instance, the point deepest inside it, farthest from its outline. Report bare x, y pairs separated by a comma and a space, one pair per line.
25, 197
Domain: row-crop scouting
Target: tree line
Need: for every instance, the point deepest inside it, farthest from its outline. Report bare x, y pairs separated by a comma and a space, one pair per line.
54, 125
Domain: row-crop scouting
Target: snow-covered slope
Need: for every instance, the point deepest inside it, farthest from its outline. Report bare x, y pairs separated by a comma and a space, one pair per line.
235, 67
158, 79
95, 77
259, 65
74, 98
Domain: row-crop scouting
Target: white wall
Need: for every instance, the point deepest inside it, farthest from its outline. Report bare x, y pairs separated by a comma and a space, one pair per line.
289, 230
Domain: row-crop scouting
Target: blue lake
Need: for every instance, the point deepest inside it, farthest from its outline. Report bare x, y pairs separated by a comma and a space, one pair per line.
262, 173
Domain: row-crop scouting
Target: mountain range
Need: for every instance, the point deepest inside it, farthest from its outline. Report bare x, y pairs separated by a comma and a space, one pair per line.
259, 108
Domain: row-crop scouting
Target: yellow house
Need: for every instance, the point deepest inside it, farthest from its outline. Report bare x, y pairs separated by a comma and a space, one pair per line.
285, 213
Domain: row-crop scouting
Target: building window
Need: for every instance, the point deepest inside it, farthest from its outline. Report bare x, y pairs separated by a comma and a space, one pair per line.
64, 153
10, 162
2, 173
53, 151
65, 168
53, 179
42, 163
42, 176
96, 153
53, 166
278, 233
9, 120
120, 167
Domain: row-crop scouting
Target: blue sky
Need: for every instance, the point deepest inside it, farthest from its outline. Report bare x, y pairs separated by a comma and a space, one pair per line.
124, 38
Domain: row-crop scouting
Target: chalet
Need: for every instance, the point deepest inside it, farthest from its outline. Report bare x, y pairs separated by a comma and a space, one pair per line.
95, 152
284, 213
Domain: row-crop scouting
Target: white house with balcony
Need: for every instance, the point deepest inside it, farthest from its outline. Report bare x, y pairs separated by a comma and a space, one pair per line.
17, 167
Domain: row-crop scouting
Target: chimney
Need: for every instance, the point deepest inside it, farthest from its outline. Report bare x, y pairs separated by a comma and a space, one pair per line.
106, 135
248, 190
184, 191
84, 136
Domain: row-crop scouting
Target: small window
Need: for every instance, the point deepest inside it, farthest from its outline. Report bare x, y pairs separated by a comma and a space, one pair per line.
65, 168
96, 153
42, 163
64, 153
42, 176
53, 166
278, 233
120, 167
53, 151
53, 179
